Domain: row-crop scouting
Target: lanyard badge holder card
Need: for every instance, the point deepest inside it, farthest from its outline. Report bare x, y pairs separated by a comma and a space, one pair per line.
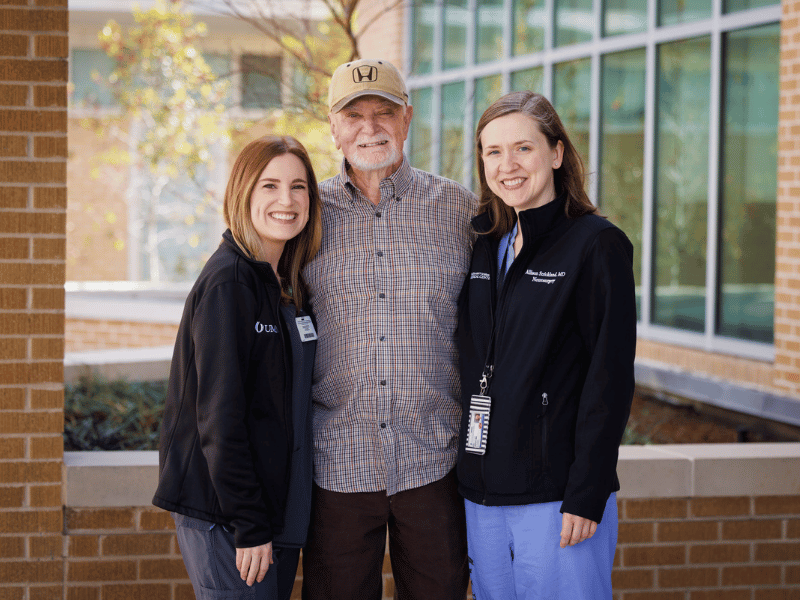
480, 408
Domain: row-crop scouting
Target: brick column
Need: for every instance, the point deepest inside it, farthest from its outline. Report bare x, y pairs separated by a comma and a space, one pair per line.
787, 259
33, 150
383, 38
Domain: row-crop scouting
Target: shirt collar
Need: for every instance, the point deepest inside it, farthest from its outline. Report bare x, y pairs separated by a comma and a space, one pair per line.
399, 182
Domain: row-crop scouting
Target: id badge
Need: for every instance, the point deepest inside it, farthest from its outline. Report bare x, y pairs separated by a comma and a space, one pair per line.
478, 430
306, 328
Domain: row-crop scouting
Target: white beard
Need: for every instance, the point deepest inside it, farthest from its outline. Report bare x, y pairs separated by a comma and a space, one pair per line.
363, 165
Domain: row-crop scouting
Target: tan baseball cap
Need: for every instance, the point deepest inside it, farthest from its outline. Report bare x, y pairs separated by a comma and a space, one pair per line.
364, 77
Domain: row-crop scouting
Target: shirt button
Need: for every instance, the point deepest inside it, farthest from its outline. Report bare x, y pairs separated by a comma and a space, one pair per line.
378, 214
383, 382
381, 295
380, 253
383, 425
383, 337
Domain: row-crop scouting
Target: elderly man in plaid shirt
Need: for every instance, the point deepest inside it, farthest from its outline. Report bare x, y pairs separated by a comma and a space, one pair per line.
384, 287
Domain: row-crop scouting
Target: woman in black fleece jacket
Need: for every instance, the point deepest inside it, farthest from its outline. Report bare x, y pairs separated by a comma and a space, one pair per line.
547, 337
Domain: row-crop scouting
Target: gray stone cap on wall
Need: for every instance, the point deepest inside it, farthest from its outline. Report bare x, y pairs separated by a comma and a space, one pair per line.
128, 478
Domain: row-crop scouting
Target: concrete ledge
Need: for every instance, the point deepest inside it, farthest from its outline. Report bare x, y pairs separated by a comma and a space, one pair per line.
129, 478
131, 364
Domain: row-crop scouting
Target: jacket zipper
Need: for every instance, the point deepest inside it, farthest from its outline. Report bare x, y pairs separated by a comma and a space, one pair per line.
545, 404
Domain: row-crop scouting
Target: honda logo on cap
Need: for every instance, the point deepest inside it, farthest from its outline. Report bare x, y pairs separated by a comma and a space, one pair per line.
365, 73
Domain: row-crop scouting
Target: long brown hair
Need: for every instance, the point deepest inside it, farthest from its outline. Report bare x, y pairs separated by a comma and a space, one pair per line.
298, 251
568, 178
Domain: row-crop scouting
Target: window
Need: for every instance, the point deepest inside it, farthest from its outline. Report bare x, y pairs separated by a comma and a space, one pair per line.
89, 72
672, 105
420, 155
261, 81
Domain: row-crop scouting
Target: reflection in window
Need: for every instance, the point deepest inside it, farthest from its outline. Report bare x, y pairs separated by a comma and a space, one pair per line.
452, 153
261, 81
530, 19
89, 71
572, 86
424, 21
622, 148
671, 12
529, 79
456, 21
736, 5
420, 149
574, 22
490, 31
681, 178
624, 16
748, 183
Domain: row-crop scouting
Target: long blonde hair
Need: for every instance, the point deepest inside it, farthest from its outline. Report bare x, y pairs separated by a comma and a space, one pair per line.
298, 251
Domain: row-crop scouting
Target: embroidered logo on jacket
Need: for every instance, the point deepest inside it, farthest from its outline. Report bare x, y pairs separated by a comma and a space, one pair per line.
478, 275
547, 277
261, 328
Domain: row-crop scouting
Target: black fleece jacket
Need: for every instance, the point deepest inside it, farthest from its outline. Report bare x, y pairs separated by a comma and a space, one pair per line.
564, 323
225, 447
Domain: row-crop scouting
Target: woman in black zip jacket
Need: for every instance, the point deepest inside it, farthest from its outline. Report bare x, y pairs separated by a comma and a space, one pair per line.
547, 337
235, 452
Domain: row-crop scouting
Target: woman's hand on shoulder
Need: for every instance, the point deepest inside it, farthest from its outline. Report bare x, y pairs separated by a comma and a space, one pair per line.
253, 563
575, 529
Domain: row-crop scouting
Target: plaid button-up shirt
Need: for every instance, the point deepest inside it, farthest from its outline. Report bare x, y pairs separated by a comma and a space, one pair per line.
384, 288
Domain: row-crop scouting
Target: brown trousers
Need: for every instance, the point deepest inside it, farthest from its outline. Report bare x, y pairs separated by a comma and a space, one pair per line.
343, 559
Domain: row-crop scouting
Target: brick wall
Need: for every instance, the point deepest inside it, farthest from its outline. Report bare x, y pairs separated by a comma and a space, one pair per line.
669, 549
383, 38
33, 150
787, 267
86, 334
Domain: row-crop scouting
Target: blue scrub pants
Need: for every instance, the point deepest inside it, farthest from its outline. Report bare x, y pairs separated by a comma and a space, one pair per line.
514, 553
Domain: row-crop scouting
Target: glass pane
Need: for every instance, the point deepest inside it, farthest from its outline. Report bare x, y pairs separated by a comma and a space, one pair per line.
671, 12
220, 65
572, 86
529, 79
530, 19
487, 90
574, 22
624, 16
681, 184
456, 21
90, 70
490, 31
421, 140
422, 49
735, 5
454, 102
622, 148
749, 183
261, 76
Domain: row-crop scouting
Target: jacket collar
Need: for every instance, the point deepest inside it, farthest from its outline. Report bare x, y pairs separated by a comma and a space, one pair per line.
534, 221
261, 266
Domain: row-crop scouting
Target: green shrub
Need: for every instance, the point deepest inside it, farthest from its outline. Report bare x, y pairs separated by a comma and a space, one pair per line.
112, 415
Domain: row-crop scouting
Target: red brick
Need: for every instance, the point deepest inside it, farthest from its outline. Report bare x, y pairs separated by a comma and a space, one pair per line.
83, 593
156, 520
44, 521
751, 530
747, 575
44, 399
28, 373
49, 96
11, 497
640, 556
52, 46
778, 505
100, 571
99, 518
12, 547
692, 577
50, 147
727, 594
719, 553
46, 495
184, 591
635, 533
31, 222
23, 323
780, 552
12, 593
658, 508
44, 348
655, 596
13, 44
687, 531
84, 545
777, 594
45, 198
50, 546
29, 472
136, 544
137, 591
163, 569
15, 248
13, 95
13, 145
40, 571
632, 579
15, 398
47, 447
33, 20
45, 592
50, 248
793, 528
14, 197
48, 298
